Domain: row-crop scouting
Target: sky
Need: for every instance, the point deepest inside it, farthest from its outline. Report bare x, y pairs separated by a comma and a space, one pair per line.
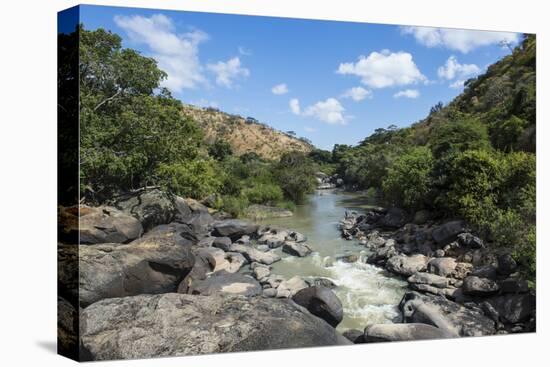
330, 82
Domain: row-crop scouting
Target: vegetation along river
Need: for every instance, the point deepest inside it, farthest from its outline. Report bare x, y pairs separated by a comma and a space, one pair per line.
368, 294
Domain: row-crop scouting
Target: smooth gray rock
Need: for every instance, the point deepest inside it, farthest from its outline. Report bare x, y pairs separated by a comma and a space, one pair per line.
67, 329
194, 214
394, 218
321, 302
506, 265
430, 279
296, 249
475, 286
403, 332
254, 255
448, 231
355, 336
226, 283
453, 318
469, 240
223, 243
92, 225
485, 271
511, 285
180, 324
151, 207
406, 265
154, 263
234, 228
443, 266
288, 288
514, 308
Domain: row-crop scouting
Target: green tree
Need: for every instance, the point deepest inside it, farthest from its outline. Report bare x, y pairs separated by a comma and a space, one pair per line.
295, 174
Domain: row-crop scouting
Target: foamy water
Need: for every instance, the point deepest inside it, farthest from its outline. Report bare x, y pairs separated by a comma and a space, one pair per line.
368, 294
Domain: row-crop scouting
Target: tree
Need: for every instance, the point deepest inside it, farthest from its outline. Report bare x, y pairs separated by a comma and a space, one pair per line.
295, 173
220, 149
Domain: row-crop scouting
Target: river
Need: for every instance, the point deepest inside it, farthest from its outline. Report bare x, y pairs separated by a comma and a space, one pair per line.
368, 294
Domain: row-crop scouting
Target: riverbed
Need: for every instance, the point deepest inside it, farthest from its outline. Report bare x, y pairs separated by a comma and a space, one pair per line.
369, 294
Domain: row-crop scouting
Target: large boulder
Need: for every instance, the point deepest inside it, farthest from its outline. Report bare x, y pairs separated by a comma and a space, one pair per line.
453, 318
154, 263
224, 261
402, 332
181, 324
429, 279
469, 240
448, 231
227, 283
67, 328
253, 255
513, 308
234, 228
152, 207
296, 249
321, 302
475, 286
443, 266
406, 265
193, 213
394, 218
506, 265
91, 225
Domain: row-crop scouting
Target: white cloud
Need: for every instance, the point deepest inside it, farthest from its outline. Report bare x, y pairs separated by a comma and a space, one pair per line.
457, 84
244, 51
294, 106
453, 69
407, 93
329, 111
280, 89
227, 72
357, 93
176, 54
384, 69
462, 40
310, 129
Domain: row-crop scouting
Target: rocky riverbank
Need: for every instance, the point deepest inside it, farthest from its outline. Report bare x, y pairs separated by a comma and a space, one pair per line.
159, 275
457, 284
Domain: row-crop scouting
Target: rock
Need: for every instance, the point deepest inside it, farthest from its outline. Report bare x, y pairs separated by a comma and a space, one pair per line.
269, 292
323, 282
506, 265
321, 302
180, 324
444, 266
448, 231
257, 211
462, 270
355, 336
402, 332
351, 258
453, 318
194, 214
273, 280
273, 240
406, 265
374, 240
394, 218
490, 311
253, 255
485, 271
469, 240
514, 308
511, 285
154, 263
449, 292
288, 288
260, 271
244, 240
227, 283
439, 253
227, 261
422, 216
101, 224
234, 228
67, 329
381, 254
296, 237
296, 249
430, 279
151, 207
223, 243
475, 286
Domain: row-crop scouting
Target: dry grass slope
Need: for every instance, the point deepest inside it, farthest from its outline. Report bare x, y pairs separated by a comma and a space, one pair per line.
245, 135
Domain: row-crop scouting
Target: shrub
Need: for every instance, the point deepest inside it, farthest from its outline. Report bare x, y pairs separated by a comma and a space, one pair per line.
458, 136
196, 179
295, 174
234, 205
264, 194
408, 182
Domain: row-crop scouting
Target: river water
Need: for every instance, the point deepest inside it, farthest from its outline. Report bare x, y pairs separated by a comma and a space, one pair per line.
368, 294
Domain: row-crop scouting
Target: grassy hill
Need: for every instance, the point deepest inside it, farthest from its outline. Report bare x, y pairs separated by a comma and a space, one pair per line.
245, 134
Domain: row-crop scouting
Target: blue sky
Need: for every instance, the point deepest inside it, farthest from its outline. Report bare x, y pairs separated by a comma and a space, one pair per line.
331, 82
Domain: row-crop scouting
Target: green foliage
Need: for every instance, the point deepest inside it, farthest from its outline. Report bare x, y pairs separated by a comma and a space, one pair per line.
220, 149
195, 178
408, 181
505, 134
262, 193
295, 173
458, 136
234, 205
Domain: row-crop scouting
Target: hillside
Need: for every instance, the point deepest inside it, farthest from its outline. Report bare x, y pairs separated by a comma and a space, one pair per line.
245, 134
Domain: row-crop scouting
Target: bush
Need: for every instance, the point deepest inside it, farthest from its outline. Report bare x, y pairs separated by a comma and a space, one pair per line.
261, 193
458, 136
295, 174
196, 179
234, 205
408, 182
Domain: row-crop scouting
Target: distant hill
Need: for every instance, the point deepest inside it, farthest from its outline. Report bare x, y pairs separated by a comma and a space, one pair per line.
245, 134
